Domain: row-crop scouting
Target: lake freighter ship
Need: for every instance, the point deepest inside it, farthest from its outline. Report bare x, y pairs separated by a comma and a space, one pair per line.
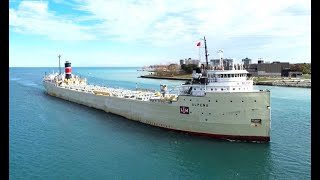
215, 102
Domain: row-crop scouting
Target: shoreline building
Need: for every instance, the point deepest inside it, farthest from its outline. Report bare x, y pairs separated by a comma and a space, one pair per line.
262, 69
190, 61
227, 63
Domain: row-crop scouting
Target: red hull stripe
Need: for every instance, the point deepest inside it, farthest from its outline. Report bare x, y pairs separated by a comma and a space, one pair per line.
223, 136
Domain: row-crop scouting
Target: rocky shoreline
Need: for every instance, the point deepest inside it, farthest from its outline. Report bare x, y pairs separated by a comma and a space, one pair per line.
301, 83
169, 78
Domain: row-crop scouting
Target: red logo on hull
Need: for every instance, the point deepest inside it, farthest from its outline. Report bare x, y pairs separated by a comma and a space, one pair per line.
184, 110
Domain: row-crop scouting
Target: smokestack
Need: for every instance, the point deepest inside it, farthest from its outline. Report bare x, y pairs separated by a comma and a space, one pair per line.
67, 66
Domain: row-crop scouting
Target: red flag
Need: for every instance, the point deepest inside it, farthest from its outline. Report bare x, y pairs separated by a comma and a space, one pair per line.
198, 44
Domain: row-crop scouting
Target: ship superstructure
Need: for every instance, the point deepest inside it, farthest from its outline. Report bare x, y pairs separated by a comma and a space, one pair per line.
215, 102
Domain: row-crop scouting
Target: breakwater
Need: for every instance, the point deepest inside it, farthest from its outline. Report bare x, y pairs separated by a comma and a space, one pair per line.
169, 78
286, 83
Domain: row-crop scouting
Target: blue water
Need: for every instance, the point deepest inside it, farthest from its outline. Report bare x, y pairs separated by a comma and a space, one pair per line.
50, 138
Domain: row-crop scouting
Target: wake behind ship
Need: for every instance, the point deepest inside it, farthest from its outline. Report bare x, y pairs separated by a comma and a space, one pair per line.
215, 102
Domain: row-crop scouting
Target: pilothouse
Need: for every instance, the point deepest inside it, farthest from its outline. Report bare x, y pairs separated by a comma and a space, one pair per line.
216, 79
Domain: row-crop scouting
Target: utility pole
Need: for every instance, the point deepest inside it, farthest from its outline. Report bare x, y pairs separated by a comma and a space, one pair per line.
59, 64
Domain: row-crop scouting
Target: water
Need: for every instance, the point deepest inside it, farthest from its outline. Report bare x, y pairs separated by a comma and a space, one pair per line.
50, 138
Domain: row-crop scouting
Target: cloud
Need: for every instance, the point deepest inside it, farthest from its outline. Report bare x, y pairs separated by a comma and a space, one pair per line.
248, 25
159, 21
34, 17
164, 21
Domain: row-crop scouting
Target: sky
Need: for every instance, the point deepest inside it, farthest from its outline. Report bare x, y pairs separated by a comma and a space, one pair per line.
134, 33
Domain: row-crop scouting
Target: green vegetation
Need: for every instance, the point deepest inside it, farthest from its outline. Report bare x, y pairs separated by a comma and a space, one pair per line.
188, 68
306, 76
305, 68
185, 76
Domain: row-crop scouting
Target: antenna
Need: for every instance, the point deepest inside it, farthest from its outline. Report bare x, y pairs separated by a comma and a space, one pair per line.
220, 59
59, 64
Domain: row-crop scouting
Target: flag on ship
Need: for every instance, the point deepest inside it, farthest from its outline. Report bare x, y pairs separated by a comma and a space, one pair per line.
198, 44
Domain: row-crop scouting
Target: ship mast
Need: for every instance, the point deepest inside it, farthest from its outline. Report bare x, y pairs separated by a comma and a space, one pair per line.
206, 51
59, 64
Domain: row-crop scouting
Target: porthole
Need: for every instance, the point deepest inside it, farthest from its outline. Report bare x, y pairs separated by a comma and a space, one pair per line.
190, 99
255, 100
242, 101
230, 101
209, 100
202, 113
216, 100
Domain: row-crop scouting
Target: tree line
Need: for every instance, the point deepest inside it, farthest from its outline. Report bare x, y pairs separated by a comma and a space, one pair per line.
305, 68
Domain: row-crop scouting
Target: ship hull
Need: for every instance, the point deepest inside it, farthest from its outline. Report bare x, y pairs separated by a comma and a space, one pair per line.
219, 115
